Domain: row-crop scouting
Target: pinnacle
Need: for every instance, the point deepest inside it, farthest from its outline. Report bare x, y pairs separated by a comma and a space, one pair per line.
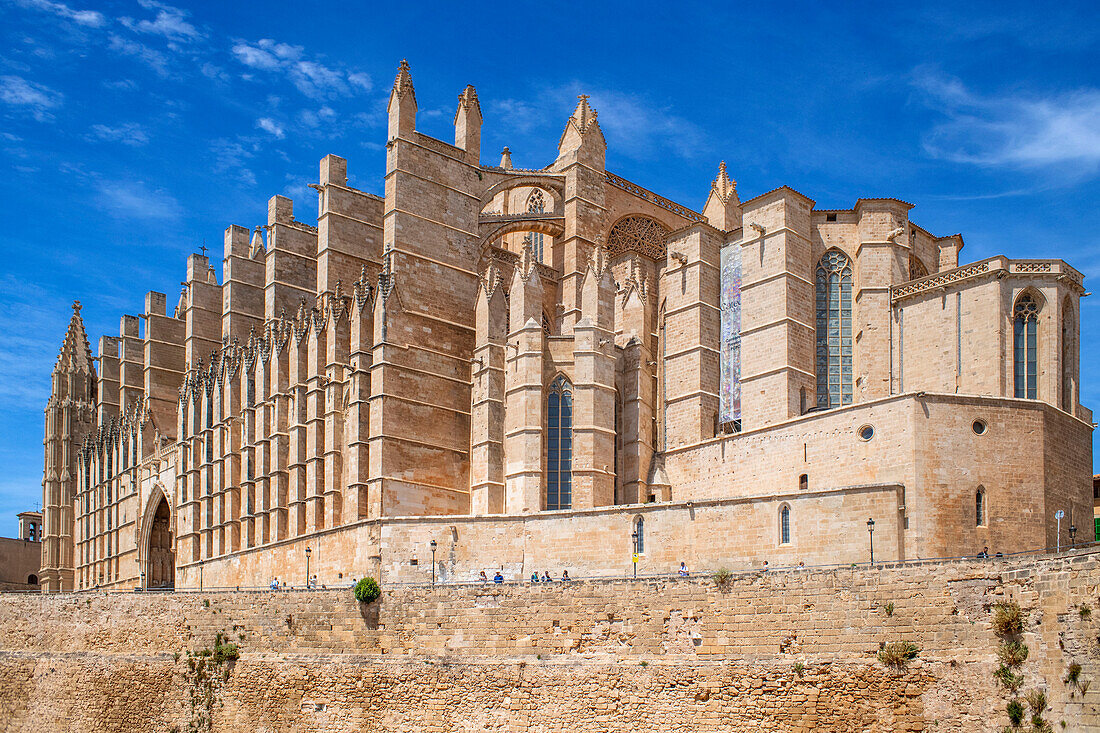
403, 84
723, 185
584, 116
506, 158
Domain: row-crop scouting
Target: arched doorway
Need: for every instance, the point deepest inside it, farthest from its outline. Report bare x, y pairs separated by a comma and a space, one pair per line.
160, 556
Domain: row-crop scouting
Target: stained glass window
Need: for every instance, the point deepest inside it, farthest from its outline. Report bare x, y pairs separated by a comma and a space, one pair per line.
536, 204
834, 330
559, 445
785, 525
1025, 326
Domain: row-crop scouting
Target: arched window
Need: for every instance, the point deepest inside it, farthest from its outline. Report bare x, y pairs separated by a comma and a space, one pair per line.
785, 525
559, 445
536, 204
916, 267
1025, 339
979, 507
834, 330
1069, 357
32, 579
639, 535
250, 390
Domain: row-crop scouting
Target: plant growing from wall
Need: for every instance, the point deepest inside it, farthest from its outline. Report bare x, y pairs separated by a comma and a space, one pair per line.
206, 672
1015, 710
898, 653
1011, 681
1085, 611
367, 590
722, 577
1037, 701
1008, 619
1012, 653
889, 608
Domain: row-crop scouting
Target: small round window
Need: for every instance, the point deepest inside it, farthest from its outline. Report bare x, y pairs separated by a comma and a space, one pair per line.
866, 432
980, 427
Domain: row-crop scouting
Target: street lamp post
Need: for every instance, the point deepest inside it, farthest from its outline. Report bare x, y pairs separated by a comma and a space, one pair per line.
433, 562
1072, 535
634, 556
143, 580
871, 536
308, 553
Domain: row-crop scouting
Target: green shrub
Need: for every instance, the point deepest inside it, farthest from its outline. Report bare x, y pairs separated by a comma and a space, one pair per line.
1085, 611
1015, 712
1011, 681
722, 577
1073, 673
1008, 619
889, 608
799, 667
1012, 653
897, 653
367, 590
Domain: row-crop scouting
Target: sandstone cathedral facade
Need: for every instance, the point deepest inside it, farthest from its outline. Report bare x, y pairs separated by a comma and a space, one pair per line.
501, 368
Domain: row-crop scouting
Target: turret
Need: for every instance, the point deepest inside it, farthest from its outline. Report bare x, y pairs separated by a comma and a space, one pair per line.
70, 415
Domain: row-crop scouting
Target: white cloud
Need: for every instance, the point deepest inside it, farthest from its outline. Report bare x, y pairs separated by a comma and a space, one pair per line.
271, 126
169, 22
128, 133
35, 98
135, 200
1027, 131
311, 77
89, 18
312, 119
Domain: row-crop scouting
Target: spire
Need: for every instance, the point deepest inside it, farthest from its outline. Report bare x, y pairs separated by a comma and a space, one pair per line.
723, 207
257, 243
506, 158
76, 354
402, 106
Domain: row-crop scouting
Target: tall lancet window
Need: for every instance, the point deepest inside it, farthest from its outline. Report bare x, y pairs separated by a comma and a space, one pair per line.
559, 445
536, 204
834, 330
1025, 339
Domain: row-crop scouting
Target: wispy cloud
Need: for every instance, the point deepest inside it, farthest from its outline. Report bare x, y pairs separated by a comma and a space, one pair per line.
128, 133
153, 58
234, 157
169, 22
136, 200
1036, 131
271, 126
309, 76
30, 96
89, 18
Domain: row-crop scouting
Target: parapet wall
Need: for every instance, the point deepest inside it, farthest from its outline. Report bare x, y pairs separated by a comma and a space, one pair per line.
785, 651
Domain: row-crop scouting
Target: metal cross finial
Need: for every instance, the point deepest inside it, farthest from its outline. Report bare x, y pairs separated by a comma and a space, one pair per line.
76, 306
203, 248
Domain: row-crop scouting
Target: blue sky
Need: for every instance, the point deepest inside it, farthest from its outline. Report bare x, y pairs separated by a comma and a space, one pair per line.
132, 131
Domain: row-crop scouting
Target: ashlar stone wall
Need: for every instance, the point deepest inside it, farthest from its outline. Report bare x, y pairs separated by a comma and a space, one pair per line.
791, 651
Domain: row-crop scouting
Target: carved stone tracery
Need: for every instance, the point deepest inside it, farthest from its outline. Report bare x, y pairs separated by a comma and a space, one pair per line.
637, 234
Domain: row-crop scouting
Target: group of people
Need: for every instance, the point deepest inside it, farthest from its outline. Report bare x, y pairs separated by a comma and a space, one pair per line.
498, 577
276, 584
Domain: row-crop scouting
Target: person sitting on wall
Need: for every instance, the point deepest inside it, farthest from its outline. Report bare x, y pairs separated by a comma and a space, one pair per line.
546, 577
274, 583
535, 576
683, 572
498, 578
482, 577
765, 566
565, 576
984, 554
